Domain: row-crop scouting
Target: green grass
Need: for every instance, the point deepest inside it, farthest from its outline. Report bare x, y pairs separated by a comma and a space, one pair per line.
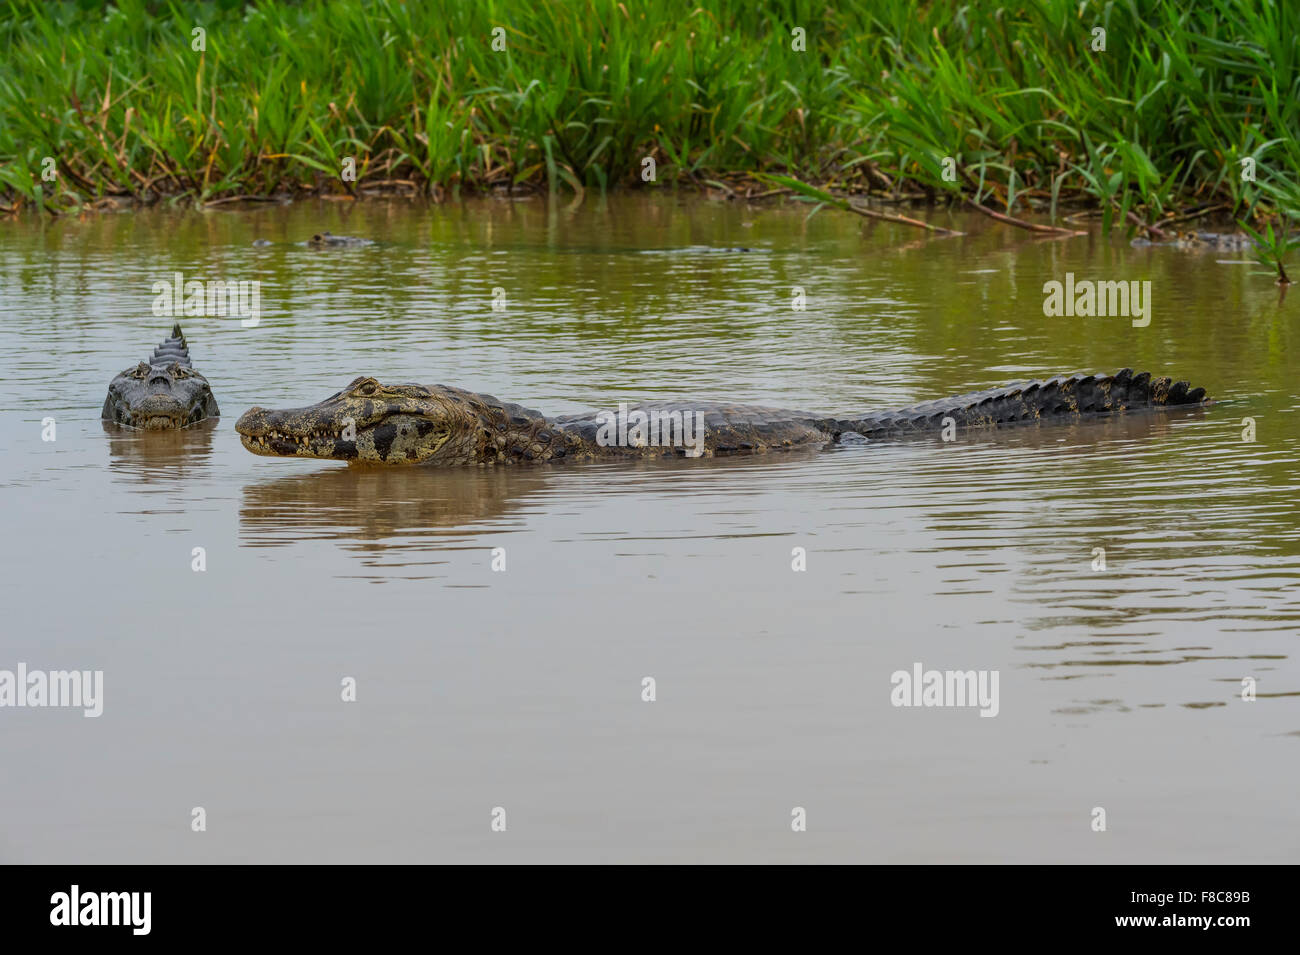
712, 90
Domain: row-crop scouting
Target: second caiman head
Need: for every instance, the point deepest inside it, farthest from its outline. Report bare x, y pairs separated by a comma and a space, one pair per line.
162, 393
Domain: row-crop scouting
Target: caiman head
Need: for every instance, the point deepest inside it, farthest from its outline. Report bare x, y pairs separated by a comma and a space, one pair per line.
162, 393
372, 423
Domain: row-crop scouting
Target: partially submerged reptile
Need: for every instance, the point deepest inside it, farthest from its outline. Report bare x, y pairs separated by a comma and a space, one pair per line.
162, 393
372, 423
325, 240
1220, 241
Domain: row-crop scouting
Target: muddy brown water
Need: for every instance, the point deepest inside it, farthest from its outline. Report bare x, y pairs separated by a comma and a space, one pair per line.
1119, 688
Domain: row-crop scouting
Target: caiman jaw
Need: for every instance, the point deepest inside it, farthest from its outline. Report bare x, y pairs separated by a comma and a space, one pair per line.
263, 431
160, 413
261, 437
366, 423
160, 423
154, 413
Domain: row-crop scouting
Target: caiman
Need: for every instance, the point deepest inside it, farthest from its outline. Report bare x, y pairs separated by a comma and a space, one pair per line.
162, 393
1217, 241
372, 423
325, 240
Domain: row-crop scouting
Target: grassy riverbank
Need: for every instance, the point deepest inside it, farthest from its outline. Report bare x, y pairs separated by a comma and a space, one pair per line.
713, 91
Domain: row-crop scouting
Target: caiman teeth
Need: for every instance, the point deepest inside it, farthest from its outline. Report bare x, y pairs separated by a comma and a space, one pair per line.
302, 440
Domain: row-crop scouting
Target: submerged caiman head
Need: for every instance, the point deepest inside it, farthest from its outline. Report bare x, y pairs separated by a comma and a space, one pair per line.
162, 393
372, 423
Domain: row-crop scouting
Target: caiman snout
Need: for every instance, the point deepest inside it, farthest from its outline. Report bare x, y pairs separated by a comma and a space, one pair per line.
251, 421
301, 432
159, 413
254, 427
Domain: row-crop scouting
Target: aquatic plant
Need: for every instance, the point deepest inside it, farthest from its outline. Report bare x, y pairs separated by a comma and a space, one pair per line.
1271, 247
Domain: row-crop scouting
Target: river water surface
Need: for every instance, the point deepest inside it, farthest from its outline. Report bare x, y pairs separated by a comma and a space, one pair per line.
1120, 688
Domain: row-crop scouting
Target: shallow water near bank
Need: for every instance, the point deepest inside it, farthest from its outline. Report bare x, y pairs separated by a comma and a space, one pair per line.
1119, 688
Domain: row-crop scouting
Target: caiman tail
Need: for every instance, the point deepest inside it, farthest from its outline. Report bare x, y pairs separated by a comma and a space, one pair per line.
1061, 397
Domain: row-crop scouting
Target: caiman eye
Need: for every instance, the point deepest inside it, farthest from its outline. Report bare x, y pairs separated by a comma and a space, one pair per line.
180, 372
140, 370
367, 387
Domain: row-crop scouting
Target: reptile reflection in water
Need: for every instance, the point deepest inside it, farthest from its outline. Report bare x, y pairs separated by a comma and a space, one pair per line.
391, 510
160, 456
374, 509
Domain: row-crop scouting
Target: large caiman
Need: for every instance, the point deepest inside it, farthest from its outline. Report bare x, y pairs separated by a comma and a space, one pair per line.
372, 423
